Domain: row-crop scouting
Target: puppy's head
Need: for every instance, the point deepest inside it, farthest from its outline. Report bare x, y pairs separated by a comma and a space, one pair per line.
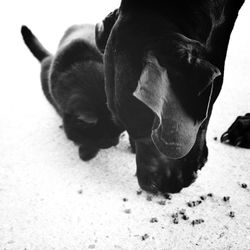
88, 122
96, 128
91, 132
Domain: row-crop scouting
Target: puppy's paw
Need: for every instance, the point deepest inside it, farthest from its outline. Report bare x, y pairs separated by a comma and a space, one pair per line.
87, 153
238, 133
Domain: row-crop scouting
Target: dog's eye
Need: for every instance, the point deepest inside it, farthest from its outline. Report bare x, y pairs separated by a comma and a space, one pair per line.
87, 118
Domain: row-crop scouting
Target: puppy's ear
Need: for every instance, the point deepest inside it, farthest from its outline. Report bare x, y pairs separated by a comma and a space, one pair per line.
174, 129
81, 111
88, 117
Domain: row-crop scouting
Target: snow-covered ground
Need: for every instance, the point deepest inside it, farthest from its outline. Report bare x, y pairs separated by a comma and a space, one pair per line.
50, 199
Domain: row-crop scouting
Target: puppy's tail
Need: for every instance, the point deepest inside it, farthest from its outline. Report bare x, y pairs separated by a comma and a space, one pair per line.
33, 44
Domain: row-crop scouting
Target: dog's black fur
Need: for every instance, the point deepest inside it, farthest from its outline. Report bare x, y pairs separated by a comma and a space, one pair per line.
73, 82
164, 65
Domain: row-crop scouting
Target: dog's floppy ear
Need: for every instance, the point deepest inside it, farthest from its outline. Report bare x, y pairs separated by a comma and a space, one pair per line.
103, 29
174, 130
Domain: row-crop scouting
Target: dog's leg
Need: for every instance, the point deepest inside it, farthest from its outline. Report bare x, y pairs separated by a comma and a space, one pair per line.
238, 133
218, 40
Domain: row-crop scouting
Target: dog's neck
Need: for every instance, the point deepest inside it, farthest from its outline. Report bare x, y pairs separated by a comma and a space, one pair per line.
186, 15
156, 4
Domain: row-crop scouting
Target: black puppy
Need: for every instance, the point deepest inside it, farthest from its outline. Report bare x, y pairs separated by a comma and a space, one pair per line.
238, 133
164, 65
73, 82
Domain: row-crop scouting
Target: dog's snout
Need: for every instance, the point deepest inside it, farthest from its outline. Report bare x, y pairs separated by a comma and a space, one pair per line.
157, 173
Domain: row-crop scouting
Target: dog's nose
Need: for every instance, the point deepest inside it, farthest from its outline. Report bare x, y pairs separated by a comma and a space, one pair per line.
165, 179
156, 173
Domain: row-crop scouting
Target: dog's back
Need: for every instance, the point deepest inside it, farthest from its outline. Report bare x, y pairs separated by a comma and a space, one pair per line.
77, 68
83, 31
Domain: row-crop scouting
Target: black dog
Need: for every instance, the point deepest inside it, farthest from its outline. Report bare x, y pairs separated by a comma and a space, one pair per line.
73, 82
164, 65
238, 133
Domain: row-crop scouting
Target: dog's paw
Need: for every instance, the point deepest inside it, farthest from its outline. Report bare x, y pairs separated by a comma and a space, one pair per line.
238, 133
87, 153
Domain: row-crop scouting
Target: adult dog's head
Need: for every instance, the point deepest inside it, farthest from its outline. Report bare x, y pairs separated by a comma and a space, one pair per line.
164, 65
